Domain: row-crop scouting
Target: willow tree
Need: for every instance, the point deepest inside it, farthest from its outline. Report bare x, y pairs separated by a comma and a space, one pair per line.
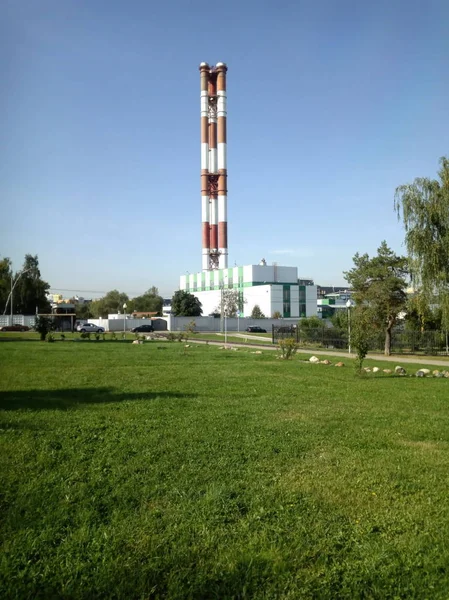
424, 208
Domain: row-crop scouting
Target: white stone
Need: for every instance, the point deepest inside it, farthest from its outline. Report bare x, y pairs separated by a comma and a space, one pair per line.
376, 369
399, 370
424, 371
314, 359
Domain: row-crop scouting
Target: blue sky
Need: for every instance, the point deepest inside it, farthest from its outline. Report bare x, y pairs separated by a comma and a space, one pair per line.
331, 105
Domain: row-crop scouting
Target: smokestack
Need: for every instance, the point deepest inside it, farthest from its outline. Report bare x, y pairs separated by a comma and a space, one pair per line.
213, 167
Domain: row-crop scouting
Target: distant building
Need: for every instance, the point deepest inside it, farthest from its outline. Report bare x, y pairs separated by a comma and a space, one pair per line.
324, 290
273, 288
166, 307
329, 303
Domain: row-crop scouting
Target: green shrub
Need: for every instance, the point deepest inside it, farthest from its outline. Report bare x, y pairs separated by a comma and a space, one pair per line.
288, 348
62, 337
171, 337
113, 336
50, 338
43, 325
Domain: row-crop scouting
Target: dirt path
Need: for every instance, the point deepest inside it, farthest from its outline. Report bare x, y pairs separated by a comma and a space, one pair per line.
395, 359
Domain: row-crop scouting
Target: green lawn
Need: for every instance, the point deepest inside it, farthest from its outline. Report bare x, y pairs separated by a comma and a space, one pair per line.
155, 470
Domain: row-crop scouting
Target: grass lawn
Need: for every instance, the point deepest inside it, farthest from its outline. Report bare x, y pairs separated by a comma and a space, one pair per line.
155, 470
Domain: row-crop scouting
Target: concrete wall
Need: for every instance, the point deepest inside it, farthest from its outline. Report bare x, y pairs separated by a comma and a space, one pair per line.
159, 323
27, 320
232, 325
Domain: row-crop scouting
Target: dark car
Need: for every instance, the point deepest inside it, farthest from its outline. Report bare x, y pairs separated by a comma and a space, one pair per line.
256, 330
143, 329
14, 328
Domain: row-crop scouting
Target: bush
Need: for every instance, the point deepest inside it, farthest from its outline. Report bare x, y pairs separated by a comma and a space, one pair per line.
43, 325
50, 338
360, 337
171, 337
113, 336
288, 348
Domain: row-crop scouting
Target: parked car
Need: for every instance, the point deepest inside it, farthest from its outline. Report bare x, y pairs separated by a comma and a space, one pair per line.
143, 329
14, 328
256, 330
89, 328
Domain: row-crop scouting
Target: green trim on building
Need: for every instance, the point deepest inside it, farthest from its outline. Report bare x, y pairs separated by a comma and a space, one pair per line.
286, 300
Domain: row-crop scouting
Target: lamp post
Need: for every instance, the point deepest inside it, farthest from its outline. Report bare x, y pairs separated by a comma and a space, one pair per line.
13, 285
349, 306
124, 319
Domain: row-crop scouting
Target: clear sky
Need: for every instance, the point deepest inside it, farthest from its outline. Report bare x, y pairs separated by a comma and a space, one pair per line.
331, 105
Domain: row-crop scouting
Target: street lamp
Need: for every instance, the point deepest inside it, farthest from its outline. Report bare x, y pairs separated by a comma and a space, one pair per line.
349, 306
13, 285
124, 319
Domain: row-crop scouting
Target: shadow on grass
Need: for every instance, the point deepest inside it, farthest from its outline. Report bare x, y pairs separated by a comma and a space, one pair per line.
71, 397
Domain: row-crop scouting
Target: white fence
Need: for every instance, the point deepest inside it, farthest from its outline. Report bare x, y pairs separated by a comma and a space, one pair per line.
171, 323
27, 320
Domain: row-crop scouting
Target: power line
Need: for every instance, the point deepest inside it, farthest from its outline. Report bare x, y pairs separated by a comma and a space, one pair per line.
55, 289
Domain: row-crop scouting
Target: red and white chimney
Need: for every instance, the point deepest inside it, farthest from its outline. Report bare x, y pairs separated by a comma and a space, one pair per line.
213, 167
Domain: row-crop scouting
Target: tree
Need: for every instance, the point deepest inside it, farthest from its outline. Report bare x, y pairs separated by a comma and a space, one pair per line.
184, 304
43, 325
83, 311
150, 301
30, 292
276, 315
361, 328
308, 323
340, 319
112, 303
379, 286
424, 207
256, 313
5, 282
230, 303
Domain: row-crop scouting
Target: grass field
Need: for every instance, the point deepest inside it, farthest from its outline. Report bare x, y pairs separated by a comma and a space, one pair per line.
155, 470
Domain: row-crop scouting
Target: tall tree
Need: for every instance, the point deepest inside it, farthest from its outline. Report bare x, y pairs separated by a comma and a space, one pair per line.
379, 288
184, 304
111, 303
5, 282
230, 303
30, 291
424, 208
83, 311
149, 301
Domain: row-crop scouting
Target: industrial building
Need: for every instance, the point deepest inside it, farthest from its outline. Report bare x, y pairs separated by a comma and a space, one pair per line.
274, 288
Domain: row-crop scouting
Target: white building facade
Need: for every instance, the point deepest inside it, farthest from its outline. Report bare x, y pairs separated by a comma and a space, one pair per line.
273, 288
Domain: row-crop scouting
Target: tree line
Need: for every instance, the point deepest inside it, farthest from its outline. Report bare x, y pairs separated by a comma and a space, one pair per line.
380, 283
29, 295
